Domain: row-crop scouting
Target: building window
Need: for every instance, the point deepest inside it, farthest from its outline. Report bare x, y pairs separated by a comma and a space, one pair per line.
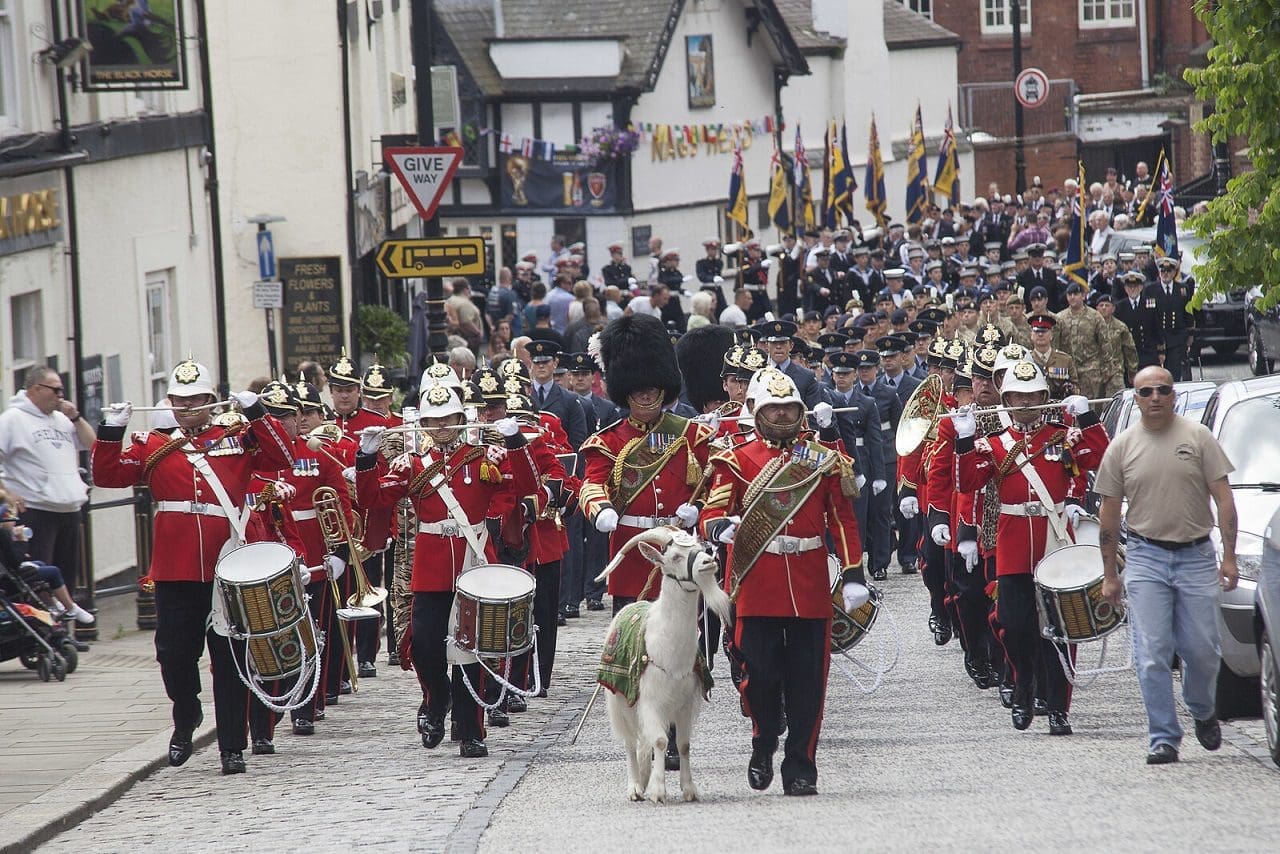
1106, 13
921, 7
159, 330
26, 331
996, 16
7, 90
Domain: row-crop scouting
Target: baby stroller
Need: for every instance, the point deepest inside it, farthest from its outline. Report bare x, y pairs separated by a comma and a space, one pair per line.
28, 632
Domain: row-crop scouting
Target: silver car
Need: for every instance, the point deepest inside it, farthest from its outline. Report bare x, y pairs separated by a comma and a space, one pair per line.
1267, 623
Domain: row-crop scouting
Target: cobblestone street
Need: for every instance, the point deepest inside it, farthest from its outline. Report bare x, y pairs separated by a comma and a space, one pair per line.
926, 760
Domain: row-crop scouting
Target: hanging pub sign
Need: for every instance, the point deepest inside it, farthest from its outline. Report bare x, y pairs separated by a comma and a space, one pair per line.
137, 44
567, 182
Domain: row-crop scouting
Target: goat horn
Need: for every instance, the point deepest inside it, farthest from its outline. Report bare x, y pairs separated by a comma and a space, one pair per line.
660, 536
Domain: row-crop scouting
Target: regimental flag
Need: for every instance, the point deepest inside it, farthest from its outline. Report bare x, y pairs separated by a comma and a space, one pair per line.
1166, 225
846, 184
828, 184
946, 178
803, 183
736, 207
779, 207
1074, 265
839, 182
874, 184
918, 195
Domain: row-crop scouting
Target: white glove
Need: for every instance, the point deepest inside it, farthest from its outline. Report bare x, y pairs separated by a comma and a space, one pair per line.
349, 474
877, 486
909, 506
246, 399
507, 426
1076, 404
607, 520
371, 439
285, 490
305, 573
335, 565
767, 263
730, 531
965, 421
968, 549
713, 422
860, 480
855, 595
823, 413
118, 414
941, 534
1075, 513
719, 280
687, 514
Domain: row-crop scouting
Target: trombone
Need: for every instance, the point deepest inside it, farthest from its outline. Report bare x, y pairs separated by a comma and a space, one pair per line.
333, 526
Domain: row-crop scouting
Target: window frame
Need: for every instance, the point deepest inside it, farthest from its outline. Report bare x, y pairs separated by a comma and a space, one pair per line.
1108, 20
159, 363
20, 362
1002, 6
9, 108
927, 4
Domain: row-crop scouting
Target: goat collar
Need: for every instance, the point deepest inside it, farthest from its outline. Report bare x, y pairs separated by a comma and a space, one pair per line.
686, 576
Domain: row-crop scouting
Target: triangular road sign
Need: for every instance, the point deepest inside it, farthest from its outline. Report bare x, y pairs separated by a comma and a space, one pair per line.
424, 173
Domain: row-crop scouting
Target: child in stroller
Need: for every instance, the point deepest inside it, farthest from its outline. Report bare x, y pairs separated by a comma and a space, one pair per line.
27, 631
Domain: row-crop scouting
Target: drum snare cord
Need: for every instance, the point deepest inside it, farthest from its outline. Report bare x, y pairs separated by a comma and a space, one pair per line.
894, 642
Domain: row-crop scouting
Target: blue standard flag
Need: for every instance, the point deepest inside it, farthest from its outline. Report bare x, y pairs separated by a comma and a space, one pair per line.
736, 208
874, 188
918, 195
1074, 264
1166, 225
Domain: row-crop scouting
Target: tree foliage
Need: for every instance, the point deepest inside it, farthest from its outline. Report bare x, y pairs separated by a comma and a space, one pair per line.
1242, 83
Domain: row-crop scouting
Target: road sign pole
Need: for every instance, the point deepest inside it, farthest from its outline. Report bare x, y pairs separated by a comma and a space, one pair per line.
271, 326
1019, 152
437, 338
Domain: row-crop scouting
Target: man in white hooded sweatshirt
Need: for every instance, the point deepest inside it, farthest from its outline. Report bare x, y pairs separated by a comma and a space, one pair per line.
41, 435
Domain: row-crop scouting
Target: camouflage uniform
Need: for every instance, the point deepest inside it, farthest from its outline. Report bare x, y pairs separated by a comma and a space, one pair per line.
1123, 353
1081, 334
1060, 371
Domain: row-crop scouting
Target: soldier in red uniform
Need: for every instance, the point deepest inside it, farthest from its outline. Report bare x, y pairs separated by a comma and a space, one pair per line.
453, 486
375, 396
774, 498
198, 474
1036, 462
345, 389
642, 470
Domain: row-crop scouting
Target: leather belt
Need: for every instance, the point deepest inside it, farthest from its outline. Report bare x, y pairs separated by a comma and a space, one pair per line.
197, 508
885, 425
1169, 545
303, 515
1029, 508
793, 545
647, 521
447, 528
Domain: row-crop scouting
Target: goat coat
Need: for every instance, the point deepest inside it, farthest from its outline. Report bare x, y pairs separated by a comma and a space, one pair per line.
625, 658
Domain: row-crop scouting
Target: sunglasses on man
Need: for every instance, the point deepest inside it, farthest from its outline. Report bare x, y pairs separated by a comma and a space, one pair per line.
1147, 391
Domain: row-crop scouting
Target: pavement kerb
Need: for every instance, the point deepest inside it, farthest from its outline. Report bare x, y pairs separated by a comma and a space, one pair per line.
90, 791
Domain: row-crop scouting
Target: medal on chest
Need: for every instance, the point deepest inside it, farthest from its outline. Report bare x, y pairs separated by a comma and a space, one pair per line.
306, 468
225, 447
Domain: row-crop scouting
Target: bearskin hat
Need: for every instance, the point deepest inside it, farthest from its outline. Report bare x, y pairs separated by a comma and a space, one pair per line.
700, 353
636, 353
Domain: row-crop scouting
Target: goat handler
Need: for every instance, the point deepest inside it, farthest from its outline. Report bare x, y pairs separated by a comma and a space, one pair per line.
773, 498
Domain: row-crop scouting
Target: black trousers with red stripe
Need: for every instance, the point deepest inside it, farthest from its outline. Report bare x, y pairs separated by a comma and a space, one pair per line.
323, 612
785, 660
1030, 654
968, 604
442, 683
546, 605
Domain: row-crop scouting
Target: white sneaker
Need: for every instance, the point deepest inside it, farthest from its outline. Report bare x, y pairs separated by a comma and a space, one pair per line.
80, 615
55, 608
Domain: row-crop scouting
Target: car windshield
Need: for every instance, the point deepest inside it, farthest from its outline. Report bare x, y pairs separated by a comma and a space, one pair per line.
1250, 435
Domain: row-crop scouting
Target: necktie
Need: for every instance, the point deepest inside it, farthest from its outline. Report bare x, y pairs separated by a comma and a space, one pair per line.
1134, 303
891, 383
866, 389
1168, 290
542, 395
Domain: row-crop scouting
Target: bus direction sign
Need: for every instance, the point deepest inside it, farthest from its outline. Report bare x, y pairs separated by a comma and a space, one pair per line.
431, 256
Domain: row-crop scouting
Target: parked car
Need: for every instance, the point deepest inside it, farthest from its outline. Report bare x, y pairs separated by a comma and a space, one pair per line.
1262, 329
1244, 416
1267, 624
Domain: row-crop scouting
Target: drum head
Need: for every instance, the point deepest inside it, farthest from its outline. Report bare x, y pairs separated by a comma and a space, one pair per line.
833, 571
495, 581
1070, 567
254, 562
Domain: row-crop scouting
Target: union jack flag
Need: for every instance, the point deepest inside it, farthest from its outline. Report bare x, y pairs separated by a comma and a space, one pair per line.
1166, 224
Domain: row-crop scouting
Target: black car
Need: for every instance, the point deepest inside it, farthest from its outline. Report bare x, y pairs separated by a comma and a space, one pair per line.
1263, 331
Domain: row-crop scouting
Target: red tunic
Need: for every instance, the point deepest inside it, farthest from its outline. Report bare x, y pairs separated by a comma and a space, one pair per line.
481, 489
784, 585
1020, 539
312, 470
668, 489
359, 419
547, 541
186, 545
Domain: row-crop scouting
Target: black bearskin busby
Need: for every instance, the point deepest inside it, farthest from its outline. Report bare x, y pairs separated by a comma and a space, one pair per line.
700, 353
636, 353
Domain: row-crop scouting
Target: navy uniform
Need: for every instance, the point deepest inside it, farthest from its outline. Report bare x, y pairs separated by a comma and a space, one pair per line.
860, 431
617, 273
1134, 312
908, 530
707, 270
1173, 325
594, 553
889, 408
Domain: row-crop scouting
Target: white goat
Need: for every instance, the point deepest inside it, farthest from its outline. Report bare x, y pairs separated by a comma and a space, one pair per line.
669, 690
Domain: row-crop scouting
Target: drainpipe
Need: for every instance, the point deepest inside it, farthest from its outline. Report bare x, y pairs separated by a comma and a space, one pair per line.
1142, 44
215, 205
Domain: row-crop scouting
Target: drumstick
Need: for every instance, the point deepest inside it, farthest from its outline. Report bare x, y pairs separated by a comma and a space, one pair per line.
315, 443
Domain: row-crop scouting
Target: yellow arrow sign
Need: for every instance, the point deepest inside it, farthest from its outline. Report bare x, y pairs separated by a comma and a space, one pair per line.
431, 256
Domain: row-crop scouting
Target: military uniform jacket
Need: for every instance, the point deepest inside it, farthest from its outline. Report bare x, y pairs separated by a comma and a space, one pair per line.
1171, 322
557, 492
1021, 537
617, 275
1082, 336
794, 584
358, 420
1059, 369
310, 471
889, 406
1121, 350
755, 278
187, 543
860, 430
481, 486
866, 282
1141, 321
672, 486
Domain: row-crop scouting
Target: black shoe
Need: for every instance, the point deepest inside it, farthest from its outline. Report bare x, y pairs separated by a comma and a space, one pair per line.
941, 630
1006, 695
432, 730
561, 621
329, 700
760, 770
263, 747
572, 613
472, 748
455, 731
800, 788
992, 679
542, 695
1039, 707
1021, 717
516, 703
344, 687
232, 762
368, 670
179, 748
1209, 734
595, 605
302, 726
881, 574
498, 718
319, 714
393, 659
1058, 724
1162, 754
909, 568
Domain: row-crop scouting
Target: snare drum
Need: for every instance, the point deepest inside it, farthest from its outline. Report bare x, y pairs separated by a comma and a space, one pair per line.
262, 588
494, 606
1069, 587
849, 628
1088, 532
282, 654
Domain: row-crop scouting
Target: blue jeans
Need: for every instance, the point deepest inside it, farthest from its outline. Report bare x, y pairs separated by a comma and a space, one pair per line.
1173, 603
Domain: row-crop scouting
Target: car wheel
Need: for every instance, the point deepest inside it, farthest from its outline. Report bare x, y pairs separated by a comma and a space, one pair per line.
1270, 685
1257, 358
1238, 696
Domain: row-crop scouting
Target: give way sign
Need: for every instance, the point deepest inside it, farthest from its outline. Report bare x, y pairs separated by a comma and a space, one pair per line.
425, 173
